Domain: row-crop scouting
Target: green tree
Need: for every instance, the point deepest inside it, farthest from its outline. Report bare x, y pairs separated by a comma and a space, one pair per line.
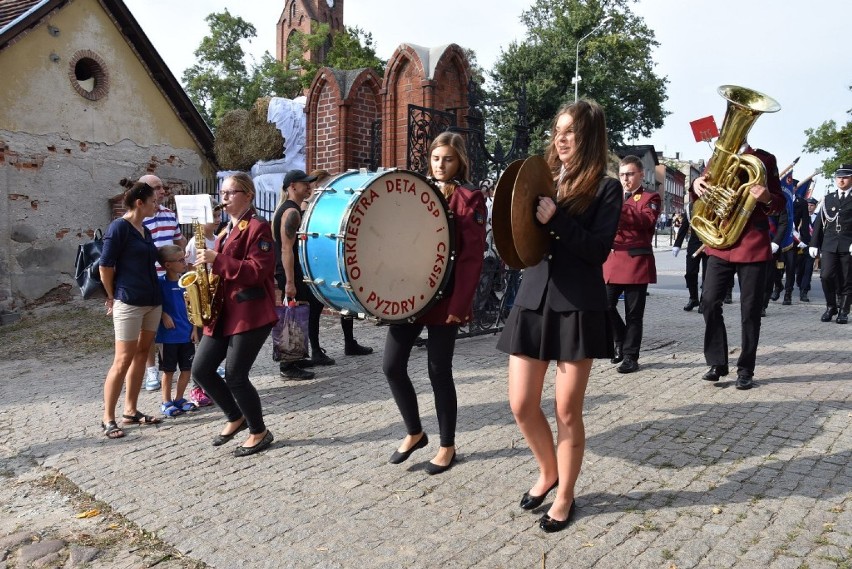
834, 139
615, 65
352, 48
221, 81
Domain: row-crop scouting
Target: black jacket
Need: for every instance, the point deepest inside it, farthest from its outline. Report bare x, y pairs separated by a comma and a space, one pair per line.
572, 273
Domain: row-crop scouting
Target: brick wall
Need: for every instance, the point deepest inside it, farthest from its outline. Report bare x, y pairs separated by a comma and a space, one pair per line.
339, 130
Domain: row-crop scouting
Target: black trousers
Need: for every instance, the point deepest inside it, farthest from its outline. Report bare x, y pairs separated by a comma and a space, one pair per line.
439, 349
791, 259
836, 276
627, 332
693, 264
234, 394
804, 272
720, 274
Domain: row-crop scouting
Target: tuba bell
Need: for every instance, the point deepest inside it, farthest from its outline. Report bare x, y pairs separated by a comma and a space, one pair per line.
720, 214
201, 290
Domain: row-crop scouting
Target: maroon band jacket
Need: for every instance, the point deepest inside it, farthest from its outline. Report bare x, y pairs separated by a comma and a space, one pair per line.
631, 260
245, 265
469, 215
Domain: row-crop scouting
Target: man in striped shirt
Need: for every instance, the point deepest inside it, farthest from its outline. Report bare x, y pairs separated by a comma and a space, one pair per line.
165, 230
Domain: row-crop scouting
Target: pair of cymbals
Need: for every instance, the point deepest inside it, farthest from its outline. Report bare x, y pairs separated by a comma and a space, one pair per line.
520, 239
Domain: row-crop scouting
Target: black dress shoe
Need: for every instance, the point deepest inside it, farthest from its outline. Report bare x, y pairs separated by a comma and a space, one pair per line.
320, 359
803, 297
551, 525
292, 371
776, 294
828, 315
714, 373
398, 457
788, 299
744, 381
530, 502
700, 308
629, 365
842, 317
356, 349
693, 302
763, 313
432, 468
262, 445
222, 439
729, 299
619, 354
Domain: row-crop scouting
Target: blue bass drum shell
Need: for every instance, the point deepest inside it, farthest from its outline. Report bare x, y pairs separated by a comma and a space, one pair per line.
378, 244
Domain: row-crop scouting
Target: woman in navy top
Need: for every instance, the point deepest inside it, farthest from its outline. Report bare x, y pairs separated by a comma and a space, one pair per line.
134, 301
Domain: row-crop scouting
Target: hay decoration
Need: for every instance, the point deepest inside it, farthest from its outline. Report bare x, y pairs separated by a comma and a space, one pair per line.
244, 137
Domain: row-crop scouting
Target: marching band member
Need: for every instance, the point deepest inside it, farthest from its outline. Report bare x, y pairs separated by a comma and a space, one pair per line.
747, 258
833, 239
560, 311
631, 265
244, 260
448, 165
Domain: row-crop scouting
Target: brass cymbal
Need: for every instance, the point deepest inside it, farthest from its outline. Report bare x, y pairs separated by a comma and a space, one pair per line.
530, 238
501, 216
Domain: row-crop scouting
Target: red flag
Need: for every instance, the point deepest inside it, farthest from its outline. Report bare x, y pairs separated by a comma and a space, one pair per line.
704, 129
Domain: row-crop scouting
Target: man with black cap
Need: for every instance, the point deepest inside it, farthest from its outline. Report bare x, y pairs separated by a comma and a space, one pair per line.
286, 220
805, 266
832, 240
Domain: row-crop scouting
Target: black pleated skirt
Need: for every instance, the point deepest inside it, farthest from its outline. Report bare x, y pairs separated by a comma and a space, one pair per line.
547, 335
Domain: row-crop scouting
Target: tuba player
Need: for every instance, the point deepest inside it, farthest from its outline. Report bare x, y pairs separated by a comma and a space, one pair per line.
747, 258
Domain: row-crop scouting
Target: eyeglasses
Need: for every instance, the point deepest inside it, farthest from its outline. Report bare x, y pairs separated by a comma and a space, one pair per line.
628, 174
229, 193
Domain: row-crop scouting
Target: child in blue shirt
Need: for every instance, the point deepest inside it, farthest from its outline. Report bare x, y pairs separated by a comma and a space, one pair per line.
176, 334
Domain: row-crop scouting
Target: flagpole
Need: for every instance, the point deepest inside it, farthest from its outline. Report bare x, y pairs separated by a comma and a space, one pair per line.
788, 168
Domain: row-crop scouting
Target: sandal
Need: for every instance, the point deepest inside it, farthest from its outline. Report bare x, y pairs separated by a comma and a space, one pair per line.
185, 405
169, 409
139, 418
112, 430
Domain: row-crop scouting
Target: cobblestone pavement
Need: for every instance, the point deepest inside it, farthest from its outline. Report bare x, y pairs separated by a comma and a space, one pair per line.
678, 472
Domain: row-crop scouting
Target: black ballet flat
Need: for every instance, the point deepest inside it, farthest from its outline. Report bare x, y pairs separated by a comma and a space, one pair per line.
262, 445
432, 468
530, 502
222, 439
398, 457
551, 525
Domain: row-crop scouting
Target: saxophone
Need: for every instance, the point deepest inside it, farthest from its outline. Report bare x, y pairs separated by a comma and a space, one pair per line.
201, 290
720, 214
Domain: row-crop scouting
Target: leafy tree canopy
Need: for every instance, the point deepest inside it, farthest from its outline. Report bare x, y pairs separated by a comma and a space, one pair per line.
221, 81
834, 139
615, 66
352, 48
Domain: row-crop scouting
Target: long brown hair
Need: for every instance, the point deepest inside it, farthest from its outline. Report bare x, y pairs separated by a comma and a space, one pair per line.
577, 184
456, 142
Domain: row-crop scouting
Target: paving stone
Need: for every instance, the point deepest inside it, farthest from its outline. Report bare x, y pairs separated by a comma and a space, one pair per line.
663, 450
34, 551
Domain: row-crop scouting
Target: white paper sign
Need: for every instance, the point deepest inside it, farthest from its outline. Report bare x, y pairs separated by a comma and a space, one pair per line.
195, 207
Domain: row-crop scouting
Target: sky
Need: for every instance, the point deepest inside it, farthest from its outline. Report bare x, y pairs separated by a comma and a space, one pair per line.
795, 52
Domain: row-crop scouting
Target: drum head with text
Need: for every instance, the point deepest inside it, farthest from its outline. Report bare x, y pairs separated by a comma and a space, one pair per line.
397, 240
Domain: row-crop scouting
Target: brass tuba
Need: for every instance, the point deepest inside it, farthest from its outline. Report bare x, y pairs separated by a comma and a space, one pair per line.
201, 290
720, 214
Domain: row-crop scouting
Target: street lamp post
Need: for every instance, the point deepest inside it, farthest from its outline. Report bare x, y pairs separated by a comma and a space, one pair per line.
576, 79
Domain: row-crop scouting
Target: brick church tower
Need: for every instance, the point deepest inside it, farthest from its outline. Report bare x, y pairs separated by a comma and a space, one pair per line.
298, 15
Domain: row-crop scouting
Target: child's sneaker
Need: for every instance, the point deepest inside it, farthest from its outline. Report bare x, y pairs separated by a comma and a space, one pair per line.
152, 379
170, 410
197, 394
185, 406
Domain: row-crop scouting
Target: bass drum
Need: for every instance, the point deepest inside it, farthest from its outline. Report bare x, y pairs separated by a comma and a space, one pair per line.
378, 244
